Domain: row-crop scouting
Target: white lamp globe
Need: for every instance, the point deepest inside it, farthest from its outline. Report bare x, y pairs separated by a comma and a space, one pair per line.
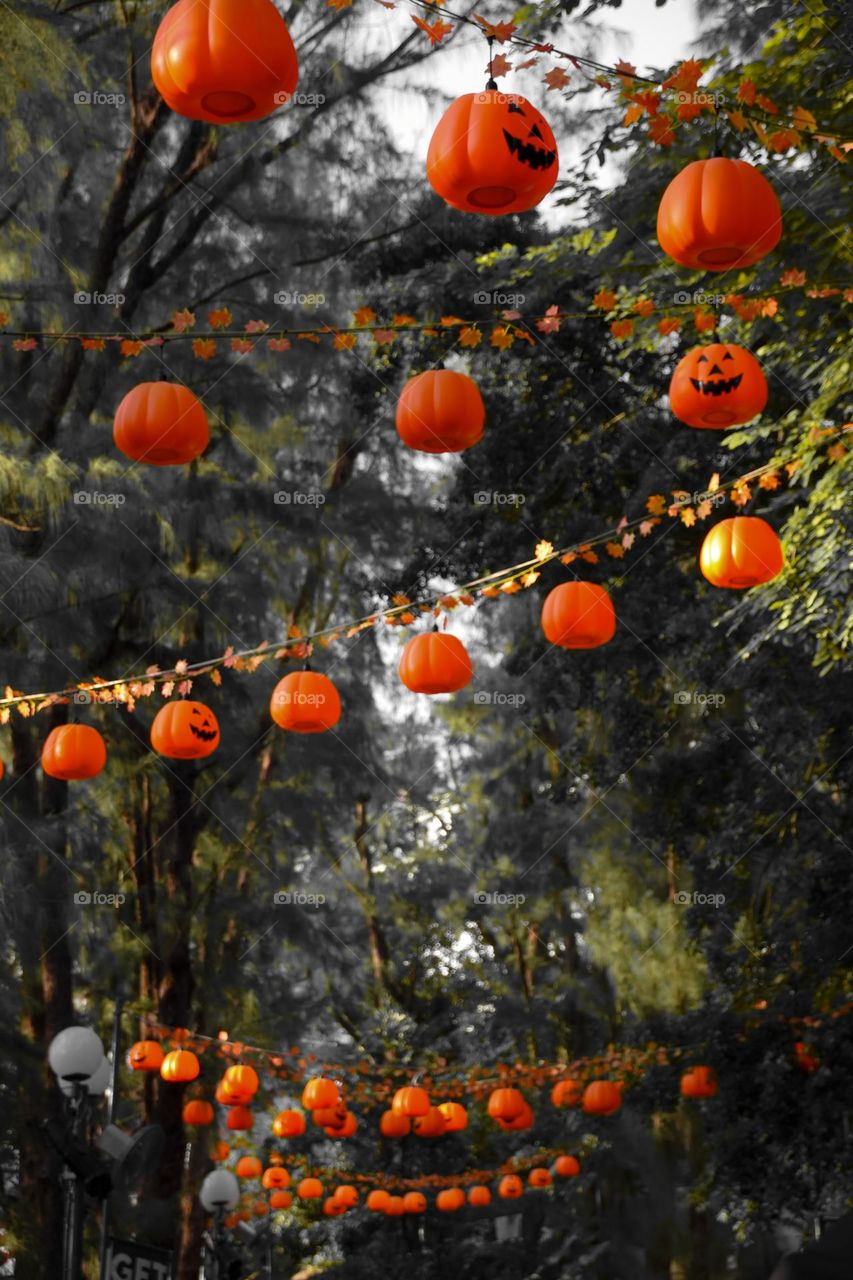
99, 1081
75, 1054
220, 1190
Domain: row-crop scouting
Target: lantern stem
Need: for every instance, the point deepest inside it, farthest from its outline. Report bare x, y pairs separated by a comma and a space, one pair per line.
491, 83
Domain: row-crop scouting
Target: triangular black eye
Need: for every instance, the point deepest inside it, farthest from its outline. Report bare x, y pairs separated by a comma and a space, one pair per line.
728, 356
535, 132
702, 360
514, 107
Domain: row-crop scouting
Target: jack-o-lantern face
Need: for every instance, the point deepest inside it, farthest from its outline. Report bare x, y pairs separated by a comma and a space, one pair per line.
717, 386
185, 731
145, 1055
492, 153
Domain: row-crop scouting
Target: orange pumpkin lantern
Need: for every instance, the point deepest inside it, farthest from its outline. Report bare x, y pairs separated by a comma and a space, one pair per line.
510, 1187
566, 1167
492, 153
242, 1083
281, 1200
180, 1066
699, 1082
455, 1116
224, 60
717, 386
479, 1196
410, 1101
431, 1125
197, 1112
289, 1124
220, 1152
741, 552
718, 214
72, 752
395, 1207
414, 1202
330, 1116
578, 615
145, 1055
240, 1119
275, 1178
377, 1201
346, 1129
506, 1104
248, 1167
567, 1093
450, 1200
440, 411
333, 1208
185, 730
393, 1126
522, 1121
162, 424
805, 1058
310, 1189
435, 663
539, 1178
319, 1093
305, 702
602, 1098
347, 1195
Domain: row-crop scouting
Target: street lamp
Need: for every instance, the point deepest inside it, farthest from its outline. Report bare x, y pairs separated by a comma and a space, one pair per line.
75, 1054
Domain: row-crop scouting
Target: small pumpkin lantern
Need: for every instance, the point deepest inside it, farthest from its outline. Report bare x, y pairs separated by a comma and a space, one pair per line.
330, 1117
145, 1055
566, 1167
567, 1093
479, 1196
539, 1178
162, 424
741, 552
347, 1195
72, 752
333, 1208
240, 1119
506, 1104
510, 1187
320, 1092
718, 214
281, 1200
717, 386
310, 1189
197, 1112
602, 1098
435, 663
805, 1058
224, 61
410, 1101
219, 1152
260, 1208
699, 1082
305, 702
450, 1200
393, 1126
377, 1201
414, 1202
180, 1066
523, 1121
578, 615
346, 1129
185, 730
248, 1167
492, 153
395, 1207
440, 411
242, 1083
455, 1116
289, 1124
275, 1178
432, 1125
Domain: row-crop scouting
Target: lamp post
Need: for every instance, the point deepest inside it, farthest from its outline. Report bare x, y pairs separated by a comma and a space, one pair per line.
220, 1191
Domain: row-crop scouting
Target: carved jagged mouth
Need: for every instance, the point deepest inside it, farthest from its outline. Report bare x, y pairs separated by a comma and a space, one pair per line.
205, 734
720, 388
529, 154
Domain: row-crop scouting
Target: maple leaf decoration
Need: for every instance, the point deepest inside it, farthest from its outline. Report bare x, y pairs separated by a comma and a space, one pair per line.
500, 31
556, 78
499, 66
436, 31
604, 299
544, 549
364, 317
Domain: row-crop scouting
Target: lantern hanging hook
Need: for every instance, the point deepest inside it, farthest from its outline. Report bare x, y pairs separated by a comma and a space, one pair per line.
491, 83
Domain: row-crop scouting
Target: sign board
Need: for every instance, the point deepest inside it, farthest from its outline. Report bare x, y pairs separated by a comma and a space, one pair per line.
133, 1261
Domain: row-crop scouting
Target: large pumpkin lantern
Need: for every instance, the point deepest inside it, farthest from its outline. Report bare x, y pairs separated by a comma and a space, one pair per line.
393, 1126
185, 730
506, 1104
539, 1178
741, 552
717, 214
567, 1167
305, 702
414, 1202
450, 1200
411, 1100
289, 1124
248, 1167
578, 615
492, 153
180, 1066
241, 1083
275, 1178
224, 60
72, 752
717, 386
377, 1201
145, 1055
567, 1093
455, 1116
431, 1125
319, 1093
435, 663
310, 1189
162, 424
440, 411
346, 1195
